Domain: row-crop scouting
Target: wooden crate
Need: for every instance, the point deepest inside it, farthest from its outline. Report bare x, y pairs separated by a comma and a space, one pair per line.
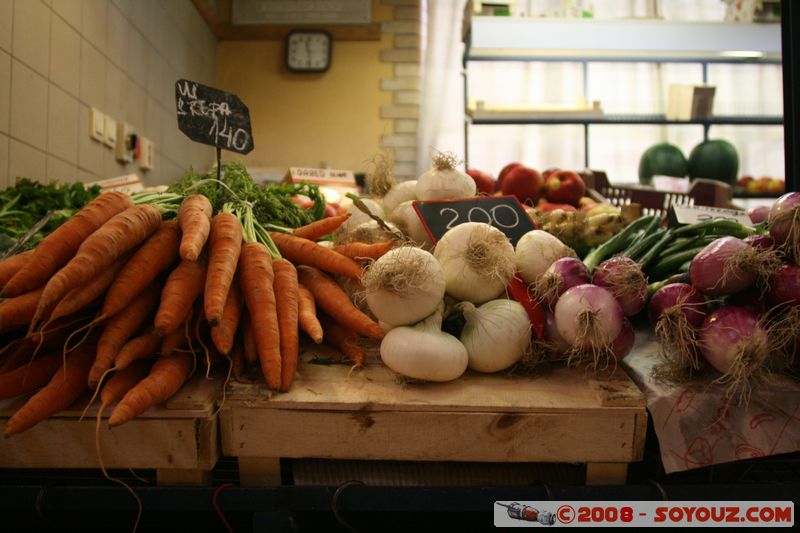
563, 416
179, 439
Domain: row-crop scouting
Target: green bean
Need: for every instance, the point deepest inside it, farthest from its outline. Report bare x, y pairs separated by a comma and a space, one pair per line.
655, 250
718, 227
639, 249
618, 242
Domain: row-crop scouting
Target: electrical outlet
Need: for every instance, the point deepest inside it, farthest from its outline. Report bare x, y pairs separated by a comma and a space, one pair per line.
126, 142
96, 124
110, 134
146, 153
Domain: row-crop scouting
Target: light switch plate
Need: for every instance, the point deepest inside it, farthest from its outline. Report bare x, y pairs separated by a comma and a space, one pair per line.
146, 153
110, 137
96, 124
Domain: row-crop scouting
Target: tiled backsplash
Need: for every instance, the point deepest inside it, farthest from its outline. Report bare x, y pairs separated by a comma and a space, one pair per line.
58, 58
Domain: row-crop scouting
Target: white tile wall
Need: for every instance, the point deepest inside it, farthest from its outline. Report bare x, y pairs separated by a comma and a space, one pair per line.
58, 57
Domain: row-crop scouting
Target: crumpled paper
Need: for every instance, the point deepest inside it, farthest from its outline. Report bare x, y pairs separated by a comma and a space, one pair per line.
698, 427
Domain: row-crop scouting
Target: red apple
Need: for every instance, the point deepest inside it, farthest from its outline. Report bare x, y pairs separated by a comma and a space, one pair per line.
483, 181
565, 187
523, 182
743, 181
506, 169
546, 174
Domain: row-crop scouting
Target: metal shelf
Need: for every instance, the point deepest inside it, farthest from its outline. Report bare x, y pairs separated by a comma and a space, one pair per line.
634, 119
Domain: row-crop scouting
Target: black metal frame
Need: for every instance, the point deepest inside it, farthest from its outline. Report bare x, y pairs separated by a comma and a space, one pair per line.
790, 34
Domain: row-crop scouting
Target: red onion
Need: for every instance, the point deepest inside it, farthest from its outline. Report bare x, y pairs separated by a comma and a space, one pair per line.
623, 277
758, 214
555, 341
784, 285
718, 269
691, 303
784, 224
734, 343
623, 344
676, 311
750, 299
589, 318
563, 274
760, 242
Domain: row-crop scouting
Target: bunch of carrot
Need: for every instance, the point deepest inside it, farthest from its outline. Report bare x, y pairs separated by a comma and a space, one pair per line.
120, 291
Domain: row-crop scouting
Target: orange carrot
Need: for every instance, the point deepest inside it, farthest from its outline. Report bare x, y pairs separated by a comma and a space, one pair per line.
144, 346
12, 265
120, 234
304, 252
177, 338
119, 329
224, 247
223, 334
28, 378
333, 300
166, 377
320, 228
80, 297
194, 219
19, 310
123, 381
307, 314
256, 277
285, 288
343, 338
361, 250
249, 340
182, 288
238, 362
152, 258
60, 246
66, 386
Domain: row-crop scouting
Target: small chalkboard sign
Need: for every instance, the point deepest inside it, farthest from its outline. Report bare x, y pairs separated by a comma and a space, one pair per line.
503, 212
680, 215
210, 116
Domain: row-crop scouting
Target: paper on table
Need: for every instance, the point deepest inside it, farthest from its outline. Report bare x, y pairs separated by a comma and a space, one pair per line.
693, 428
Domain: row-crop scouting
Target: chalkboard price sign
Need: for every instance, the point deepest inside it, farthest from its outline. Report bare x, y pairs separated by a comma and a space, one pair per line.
210, 116
503, 212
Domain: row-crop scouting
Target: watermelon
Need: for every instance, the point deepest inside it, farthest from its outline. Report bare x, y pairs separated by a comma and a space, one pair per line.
662, 159
716, 159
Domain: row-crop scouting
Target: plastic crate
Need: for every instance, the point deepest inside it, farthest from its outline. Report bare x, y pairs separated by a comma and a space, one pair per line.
653, 202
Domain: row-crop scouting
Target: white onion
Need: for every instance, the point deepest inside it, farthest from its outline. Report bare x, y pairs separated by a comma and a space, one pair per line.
407, 219
368, 232
478, 261
536, 251
424, 351
402, 192
444, 182
404, 286
497, 334
358, 217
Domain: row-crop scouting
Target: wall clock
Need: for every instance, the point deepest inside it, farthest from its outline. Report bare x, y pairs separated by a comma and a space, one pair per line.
308, 51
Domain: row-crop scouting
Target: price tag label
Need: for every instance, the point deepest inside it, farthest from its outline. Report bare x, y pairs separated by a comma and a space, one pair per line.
321, 176
503, 212
680, 215
210, 116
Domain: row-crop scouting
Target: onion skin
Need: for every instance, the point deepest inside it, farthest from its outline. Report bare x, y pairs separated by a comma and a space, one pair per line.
570, 272
780, 225
623, 344
749, 299
556, 342
536, 251
693, 304
784, 285
595, 299
760, 242
758, 214
724, 331
607, 274
713, 265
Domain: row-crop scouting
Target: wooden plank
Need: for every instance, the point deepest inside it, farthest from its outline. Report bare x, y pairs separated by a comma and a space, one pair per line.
183, 477
259, 471
606, 473
426, 436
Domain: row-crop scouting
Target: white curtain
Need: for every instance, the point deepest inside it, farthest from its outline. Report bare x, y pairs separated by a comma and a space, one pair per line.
622, 88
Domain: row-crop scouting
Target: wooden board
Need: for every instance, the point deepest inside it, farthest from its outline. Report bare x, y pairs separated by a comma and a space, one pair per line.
563, 416
178, 437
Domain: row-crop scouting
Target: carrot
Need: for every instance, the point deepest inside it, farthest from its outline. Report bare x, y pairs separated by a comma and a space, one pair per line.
307, 314
12, 265
120, 234
224, 247
80, 297
153, 257
177, 338
256, 277
344, 339
28, 378
144, 346
166, 377
249, 340
119, 329
182, 288
123, 381
223, 334
285, 288
194, 219
19, 310
320, 228
304, 252
60, 246
333, 300
60, 392
361, 250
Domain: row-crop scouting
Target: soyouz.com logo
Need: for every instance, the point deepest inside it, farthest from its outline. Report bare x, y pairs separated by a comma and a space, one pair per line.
647, 514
